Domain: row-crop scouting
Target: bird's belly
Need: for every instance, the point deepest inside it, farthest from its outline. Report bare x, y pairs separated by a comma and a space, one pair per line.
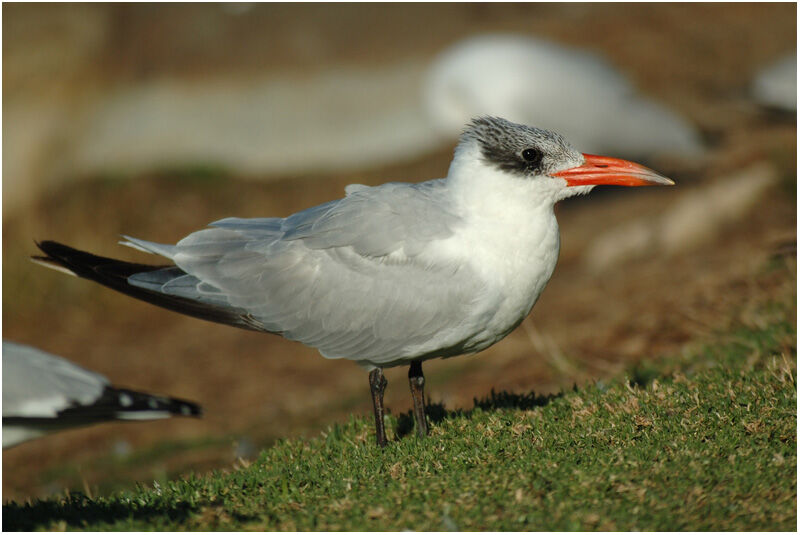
478, 288
493, 315
513, 282
514, 306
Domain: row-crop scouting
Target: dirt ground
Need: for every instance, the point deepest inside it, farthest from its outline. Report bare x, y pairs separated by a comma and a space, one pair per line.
587, 325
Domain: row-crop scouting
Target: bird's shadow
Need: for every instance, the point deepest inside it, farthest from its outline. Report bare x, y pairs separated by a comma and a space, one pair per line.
76, 510
436, 412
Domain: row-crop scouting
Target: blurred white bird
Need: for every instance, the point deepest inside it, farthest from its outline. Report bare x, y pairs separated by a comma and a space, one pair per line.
43, 393
776, 85
389, 275
574, 92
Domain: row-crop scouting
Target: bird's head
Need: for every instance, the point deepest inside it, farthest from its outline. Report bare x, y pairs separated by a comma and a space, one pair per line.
544, 159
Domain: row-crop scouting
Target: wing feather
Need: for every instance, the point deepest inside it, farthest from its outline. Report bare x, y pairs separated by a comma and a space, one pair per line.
356, 278
377, 221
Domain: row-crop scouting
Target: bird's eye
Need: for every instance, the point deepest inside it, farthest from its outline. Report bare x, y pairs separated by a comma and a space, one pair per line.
532, 156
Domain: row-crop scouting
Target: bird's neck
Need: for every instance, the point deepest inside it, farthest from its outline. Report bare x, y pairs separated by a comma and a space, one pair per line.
481, 191
509, 225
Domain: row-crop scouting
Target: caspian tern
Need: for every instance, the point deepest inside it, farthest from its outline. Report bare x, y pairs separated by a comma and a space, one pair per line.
389, 275
43, 393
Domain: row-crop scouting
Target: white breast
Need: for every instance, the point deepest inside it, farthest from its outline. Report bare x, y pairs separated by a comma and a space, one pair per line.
510, 239
515, 265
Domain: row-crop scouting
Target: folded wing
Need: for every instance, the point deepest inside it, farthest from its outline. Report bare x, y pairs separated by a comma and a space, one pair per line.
358, 278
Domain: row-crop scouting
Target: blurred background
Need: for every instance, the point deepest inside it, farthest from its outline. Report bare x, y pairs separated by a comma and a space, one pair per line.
153, 120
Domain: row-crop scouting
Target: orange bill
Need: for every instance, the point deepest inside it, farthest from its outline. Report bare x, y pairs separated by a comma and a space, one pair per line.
598, 170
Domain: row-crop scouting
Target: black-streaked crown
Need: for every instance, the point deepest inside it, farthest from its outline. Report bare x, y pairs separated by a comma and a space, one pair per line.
517, 148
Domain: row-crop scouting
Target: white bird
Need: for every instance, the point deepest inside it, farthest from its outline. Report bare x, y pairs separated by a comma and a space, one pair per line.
574, 92
43, 393
775, 86
389, 275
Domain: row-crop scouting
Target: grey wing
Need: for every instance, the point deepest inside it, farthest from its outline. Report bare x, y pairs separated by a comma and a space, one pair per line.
378, 221
348, 277
37, 384
373, 221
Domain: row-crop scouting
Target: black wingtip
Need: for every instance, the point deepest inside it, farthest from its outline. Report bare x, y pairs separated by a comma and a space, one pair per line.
126, 404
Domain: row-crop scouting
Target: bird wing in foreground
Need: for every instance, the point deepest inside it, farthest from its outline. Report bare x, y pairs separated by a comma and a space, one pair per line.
43, 393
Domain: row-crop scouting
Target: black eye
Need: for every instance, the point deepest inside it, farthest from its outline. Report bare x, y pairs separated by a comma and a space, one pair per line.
532, 156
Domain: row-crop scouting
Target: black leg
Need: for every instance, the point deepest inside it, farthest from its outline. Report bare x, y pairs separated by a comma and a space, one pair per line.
417, 382
377, 384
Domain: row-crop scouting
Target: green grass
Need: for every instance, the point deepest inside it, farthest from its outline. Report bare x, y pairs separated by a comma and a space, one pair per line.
705, 440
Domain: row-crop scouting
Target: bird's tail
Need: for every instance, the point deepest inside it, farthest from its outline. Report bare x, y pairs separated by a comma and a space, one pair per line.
115, 274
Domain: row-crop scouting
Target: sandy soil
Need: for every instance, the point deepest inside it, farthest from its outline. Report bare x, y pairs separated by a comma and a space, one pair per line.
587, 326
